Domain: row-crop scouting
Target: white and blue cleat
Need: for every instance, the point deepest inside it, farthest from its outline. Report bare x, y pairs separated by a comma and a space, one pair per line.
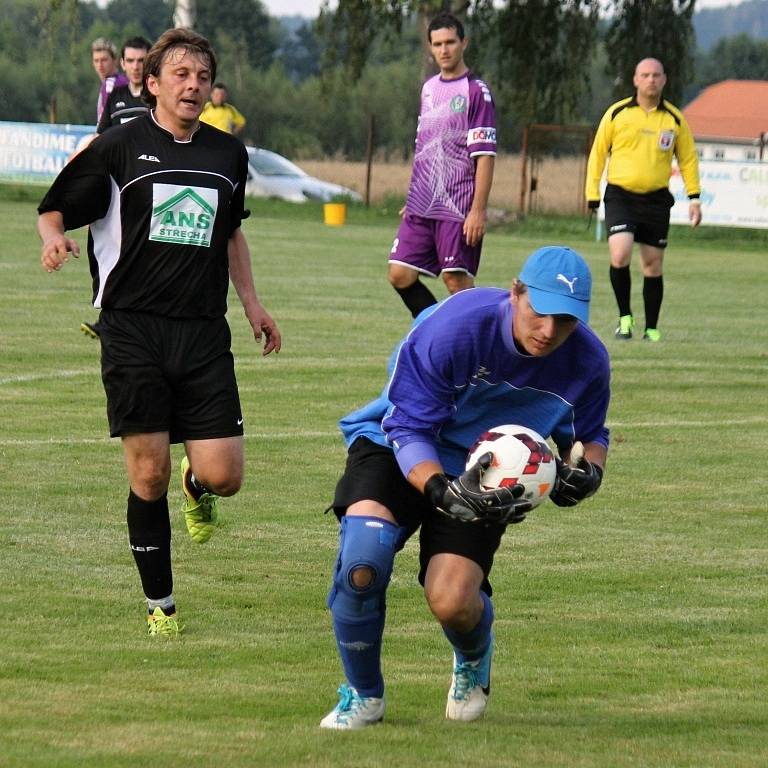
470, 688
354, 711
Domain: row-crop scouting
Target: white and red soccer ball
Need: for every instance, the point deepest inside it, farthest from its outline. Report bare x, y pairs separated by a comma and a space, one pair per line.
520, 455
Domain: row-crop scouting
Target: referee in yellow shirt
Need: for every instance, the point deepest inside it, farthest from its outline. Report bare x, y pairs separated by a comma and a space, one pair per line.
638, 136
220, 114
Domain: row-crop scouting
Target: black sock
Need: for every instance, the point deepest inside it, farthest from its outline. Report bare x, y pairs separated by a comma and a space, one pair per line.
621, 281
653, 293
417, 297
149, 534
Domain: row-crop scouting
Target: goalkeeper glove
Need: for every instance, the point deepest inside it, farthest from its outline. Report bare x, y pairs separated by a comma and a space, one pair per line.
463, 499
574, 484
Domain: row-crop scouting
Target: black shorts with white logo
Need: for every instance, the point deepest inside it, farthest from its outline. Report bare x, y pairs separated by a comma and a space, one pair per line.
372, 473
645, 216
173, 375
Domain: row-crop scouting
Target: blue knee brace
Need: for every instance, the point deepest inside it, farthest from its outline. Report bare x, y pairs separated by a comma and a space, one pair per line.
364, 542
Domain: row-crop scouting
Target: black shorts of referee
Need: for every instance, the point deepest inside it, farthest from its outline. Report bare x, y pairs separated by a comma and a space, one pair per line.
174, 375
372, 473
646, 216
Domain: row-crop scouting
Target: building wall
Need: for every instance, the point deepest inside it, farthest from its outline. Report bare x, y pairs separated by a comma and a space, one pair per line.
742, 153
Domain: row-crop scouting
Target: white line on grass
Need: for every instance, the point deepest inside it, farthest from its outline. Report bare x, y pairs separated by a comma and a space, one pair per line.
10, 442
24, 377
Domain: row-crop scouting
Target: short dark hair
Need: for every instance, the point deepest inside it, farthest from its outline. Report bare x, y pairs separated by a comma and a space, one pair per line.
135, 42
180, 37
220, 85
445, 21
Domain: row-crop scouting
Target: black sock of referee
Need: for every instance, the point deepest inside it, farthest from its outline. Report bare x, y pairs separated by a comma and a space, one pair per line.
621, 281
149, 534
653, 294
417, 297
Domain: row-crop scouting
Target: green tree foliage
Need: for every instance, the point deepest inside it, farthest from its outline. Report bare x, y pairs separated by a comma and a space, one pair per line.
237, 28
741, 58
543, 53
660, 29
308, 89
350, 29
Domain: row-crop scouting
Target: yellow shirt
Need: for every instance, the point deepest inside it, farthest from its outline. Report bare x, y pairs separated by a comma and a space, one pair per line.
639, 146
224, 117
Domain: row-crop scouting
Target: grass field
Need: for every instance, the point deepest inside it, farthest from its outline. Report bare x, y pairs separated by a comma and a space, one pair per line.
631, 630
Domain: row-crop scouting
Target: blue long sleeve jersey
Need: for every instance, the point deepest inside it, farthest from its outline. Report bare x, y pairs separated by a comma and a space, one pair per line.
458, 373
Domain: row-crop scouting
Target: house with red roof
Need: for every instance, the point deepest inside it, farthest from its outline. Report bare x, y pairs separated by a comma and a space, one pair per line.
729, 121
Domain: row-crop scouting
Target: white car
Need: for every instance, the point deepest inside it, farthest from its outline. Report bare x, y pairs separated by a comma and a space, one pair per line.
271, 175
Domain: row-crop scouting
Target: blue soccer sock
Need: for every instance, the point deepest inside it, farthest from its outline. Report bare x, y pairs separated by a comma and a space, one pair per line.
470, 646
360, 651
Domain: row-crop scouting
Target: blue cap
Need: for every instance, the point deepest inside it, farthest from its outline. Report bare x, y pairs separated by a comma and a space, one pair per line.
559, 282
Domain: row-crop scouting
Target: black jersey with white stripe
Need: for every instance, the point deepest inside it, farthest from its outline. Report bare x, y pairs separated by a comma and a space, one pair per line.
122, 107
161, 212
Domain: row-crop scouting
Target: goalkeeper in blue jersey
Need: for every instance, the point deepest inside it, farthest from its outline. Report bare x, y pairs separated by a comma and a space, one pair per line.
480, 358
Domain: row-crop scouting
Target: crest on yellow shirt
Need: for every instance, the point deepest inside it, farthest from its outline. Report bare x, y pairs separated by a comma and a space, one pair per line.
666, 140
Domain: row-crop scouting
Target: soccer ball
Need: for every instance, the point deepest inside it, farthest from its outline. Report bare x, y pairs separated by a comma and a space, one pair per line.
520, 455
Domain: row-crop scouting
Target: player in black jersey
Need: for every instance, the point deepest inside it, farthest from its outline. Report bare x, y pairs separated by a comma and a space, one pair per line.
164, 197
125, 102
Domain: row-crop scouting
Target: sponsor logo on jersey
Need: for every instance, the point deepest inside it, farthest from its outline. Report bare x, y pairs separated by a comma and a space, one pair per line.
458, 104
183, 215
666, 139
150, 158
119, 105
481, 136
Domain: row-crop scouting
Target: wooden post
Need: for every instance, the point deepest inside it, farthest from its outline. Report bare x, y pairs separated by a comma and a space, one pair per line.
369, 156
523, 177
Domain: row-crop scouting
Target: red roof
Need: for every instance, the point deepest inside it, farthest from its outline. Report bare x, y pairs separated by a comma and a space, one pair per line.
732, 109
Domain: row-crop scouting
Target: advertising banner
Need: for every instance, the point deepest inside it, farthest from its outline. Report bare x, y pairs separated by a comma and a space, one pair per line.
36, 152
732, 194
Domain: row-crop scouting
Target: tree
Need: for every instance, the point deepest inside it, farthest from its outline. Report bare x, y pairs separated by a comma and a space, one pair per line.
238, 28
740, 57
543, 54
659, 29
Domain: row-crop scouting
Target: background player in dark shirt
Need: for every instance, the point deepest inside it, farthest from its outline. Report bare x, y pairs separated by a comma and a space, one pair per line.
164, 197
125, 102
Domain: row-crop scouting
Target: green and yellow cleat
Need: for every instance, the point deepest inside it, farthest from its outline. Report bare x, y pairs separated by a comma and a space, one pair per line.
200, 513
160, 624
651, 334
624, 328
89, 329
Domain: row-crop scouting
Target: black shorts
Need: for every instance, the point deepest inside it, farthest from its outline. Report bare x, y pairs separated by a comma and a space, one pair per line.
645, 216
169, 375
372, 473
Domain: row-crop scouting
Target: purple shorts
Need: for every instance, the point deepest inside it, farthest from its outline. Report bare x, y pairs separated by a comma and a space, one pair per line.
432, 246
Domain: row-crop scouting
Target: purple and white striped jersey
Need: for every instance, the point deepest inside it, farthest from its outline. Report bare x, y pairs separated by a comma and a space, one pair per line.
457, 123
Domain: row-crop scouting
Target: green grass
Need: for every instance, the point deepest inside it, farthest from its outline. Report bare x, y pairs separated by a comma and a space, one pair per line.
631, 630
